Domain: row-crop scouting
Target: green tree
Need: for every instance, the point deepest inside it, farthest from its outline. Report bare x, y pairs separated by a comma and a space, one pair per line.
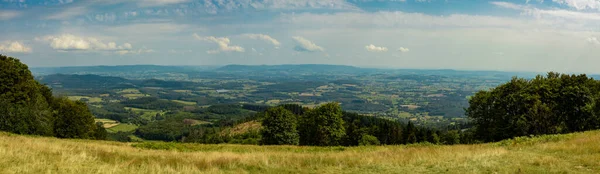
279, 127
367, 140
23, 105
451, 137
100, 132
410, 133
322, 126
72, 119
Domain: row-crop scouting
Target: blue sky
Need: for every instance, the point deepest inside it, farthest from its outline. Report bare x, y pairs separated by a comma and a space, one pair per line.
517, 35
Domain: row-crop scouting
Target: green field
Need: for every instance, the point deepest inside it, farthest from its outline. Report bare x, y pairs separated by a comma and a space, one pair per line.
90, 99
122, 128
184, 102
145, 113
571, 153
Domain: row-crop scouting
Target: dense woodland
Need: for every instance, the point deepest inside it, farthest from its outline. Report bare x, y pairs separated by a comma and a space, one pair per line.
553, 104
28, 107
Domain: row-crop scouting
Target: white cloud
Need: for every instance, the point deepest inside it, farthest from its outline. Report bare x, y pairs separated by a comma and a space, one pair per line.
106, 17
138, 51
373, 48
216, 6
152, 3
68, 13
14, 47
263, 37
552, 14
223, 43
64, 1
593, 40
306, 45
580, 4
8, 14
404, 50
68, 42
507, 5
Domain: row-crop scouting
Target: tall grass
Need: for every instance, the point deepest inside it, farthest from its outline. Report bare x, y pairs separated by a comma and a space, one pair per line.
572, 153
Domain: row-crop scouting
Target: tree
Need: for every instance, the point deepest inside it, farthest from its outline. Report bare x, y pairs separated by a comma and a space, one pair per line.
23, 105
279, 127
322, 126
410, 133
367, 140
556, 103
451, 137
72, 119
100, 132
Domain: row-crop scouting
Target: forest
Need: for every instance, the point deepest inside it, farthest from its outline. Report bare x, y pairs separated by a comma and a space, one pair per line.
120, 109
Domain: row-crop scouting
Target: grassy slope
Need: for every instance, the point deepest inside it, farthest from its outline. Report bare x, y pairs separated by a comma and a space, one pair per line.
573, 153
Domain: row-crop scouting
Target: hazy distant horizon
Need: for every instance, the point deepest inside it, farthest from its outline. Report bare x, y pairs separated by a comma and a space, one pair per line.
509, 35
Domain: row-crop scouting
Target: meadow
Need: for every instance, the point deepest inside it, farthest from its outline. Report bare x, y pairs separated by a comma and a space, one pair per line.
569, 153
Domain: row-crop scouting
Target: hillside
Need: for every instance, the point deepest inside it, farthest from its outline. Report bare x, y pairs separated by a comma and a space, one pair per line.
570, 153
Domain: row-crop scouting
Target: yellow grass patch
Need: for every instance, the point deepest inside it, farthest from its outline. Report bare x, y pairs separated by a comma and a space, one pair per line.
579, 153
90, 99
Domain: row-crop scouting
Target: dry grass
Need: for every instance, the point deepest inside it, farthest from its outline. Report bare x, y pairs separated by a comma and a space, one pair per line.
577, 153
242, 128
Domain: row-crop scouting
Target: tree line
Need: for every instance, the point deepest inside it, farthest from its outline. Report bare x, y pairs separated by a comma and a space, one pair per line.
28, 107
328, 125
554, 104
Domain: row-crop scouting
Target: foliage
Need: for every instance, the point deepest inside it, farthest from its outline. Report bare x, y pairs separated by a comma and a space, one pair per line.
279, 127
27, 107
322, 126
557, 103
368, 140
72, 119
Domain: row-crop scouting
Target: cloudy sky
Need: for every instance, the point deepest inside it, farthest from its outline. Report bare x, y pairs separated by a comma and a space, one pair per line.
517, 35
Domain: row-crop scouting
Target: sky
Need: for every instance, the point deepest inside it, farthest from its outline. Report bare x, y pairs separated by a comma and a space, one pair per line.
512, 35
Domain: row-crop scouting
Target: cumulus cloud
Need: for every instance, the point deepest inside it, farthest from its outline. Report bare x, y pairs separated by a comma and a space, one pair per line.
402, 49
303, 44
68, 42
14, 47
8, 14
223, 43
580, 4
263, 37
373, 48
593, 40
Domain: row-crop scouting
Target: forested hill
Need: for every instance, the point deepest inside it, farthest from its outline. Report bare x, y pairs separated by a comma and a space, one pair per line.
118, 69
300, 68
154, 71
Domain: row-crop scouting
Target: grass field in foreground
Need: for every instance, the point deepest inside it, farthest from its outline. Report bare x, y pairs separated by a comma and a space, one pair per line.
571, 153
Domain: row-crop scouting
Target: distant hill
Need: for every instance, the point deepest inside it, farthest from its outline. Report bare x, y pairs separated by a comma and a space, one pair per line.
91, 81
119, 69
300, 68
83, 81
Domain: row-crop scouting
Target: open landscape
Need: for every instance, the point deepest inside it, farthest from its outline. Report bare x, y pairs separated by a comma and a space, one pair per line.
299, 86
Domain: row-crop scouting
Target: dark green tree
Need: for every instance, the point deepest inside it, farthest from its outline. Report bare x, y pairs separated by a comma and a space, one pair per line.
410, 133
23, 105
72, 119
100, 132
279, 127
322, 126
